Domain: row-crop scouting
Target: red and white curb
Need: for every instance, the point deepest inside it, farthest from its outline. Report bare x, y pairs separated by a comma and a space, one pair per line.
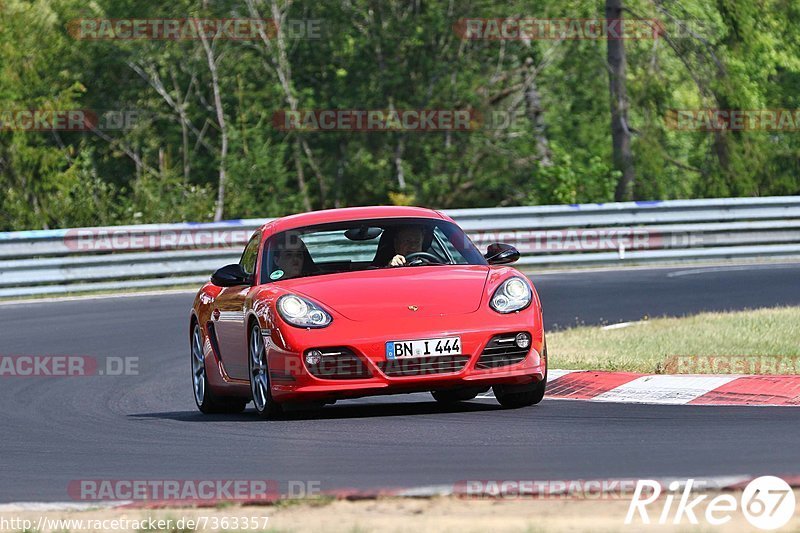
672, 389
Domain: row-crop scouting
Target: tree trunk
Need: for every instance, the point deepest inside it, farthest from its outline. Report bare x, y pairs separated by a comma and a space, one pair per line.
620, 133
301, 178
398, 163
534, 111
223, 129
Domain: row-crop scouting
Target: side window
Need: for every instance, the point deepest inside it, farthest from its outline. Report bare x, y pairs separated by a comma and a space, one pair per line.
445, 248
250, 254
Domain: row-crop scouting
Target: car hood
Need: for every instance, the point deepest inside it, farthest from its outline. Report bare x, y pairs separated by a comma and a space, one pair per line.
370, 294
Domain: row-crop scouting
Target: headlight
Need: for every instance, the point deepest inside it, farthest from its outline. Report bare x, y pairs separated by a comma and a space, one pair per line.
302, 313
512, 295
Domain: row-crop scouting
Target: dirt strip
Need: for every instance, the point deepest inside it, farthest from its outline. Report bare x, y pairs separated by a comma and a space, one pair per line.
388, 515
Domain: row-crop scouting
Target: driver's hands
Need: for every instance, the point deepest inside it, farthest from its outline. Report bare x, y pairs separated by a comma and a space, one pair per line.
397, 261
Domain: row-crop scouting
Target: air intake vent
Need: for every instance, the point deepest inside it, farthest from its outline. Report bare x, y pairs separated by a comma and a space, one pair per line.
502, 350
339, 363
421, 366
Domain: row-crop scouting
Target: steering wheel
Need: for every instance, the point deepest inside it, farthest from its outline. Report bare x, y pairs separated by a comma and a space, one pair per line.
423, 256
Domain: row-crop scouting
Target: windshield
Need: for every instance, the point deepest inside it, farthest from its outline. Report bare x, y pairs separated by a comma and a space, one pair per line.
366, 244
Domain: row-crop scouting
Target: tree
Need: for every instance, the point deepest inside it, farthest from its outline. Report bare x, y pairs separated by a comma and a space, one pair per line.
620, 131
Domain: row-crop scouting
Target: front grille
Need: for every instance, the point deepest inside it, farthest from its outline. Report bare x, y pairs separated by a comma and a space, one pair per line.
502, 350
339, 363
420, 366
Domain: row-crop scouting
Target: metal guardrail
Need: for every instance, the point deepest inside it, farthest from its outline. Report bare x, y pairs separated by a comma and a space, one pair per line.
160, 255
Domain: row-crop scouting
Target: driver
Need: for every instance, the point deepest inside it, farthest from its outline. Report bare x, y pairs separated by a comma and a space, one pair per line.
407, 240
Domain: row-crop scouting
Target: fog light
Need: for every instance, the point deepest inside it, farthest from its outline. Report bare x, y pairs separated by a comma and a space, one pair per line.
313, 357
523, 340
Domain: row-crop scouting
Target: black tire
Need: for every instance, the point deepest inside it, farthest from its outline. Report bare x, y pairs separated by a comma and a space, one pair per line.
207, 401
455, 395
516, 396
260, 387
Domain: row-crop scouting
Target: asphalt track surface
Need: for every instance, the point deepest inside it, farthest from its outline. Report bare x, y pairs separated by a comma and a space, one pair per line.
140, 427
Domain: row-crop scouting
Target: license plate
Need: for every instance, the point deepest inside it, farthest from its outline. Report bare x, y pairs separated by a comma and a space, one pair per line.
423, 348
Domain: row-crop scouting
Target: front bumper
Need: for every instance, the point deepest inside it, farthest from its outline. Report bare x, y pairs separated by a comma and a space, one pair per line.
292, 381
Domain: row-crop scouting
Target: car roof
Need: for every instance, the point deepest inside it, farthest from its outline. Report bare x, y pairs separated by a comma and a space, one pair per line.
313, 218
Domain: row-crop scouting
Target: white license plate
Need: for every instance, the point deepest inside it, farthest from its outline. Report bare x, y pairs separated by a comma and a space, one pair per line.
423, 348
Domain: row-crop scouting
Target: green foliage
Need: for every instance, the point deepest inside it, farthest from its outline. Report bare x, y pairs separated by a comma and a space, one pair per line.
259, 183
571, 182
165, 166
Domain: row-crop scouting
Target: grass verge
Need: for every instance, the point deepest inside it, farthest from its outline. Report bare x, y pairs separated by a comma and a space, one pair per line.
760, 341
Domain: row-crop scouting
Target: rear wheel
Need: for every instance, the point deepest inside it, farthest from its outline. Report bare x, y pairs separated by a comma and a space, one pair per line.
204, 397
455, 395
259, 377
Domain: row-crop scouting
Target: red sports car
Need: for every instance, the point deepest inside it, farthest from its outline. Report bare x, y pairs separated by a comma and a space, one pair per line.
363, 301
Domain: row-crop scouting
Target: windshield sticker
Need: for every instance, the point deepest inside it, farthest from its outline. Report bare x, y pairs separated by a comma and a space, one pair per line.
278, 274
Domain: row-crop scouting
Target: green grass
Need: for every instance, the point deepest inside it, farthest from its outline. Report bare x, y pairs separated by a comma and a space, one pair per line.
754, 341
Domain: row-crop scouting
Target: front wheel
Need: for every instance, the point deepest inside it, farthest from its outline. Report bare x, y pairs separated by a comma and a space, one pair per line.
204, 397
514, 396
265, 406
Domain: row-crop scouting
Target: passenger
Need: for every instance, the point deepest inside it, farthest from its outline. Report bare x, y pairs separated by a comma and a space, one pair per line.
291, 261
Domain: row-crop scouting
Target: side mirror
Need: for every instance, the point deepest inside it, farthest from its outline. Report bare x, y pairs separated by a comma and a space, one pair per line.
230, 276
501, 254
